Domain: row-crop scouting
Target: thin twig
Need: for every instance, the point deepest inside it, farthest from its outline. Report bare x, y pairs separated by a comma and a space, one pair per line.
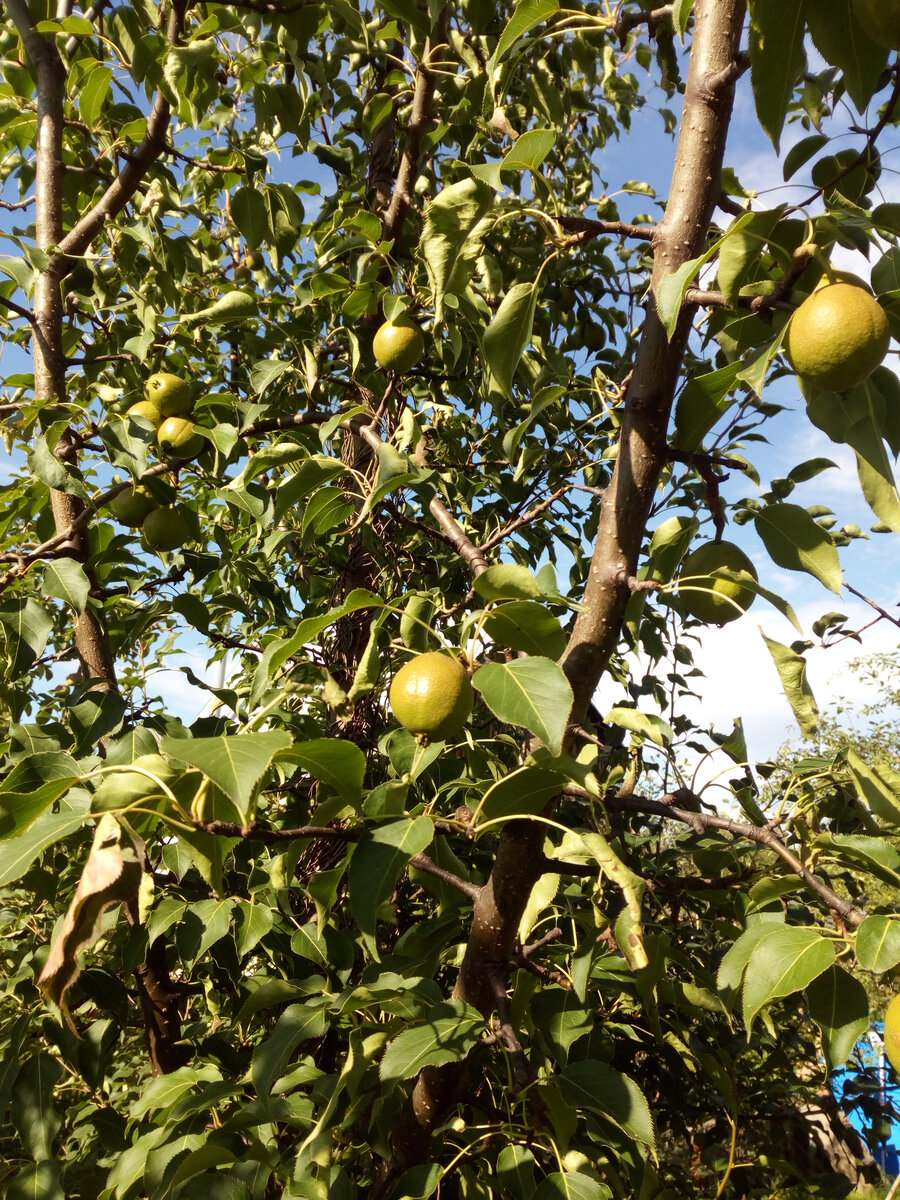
271, 837
886, 616
423, 863
584, 229
763, 835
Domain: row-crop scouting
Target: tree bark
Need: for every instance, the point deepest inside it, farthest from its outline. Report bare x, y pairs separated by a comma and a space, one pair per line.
625, 510
91, 640
680, 236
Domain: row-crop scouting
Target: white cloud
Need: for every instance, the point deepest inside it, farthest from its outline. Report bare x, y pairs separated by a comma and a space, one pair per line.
740, 679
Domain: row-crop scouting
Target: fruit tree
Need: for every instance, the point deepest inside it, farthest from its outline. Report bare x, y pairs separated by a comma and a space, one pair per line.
346, 345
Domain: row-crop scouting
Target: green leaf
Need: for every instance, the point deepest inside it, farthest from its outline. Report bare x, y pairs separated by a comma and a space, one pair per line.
872, 855
326, 510
37, 1181
251, 216
526, 626
33, 1114
646, 725
741, 247
509, 333
127, 440
231, 308
597, 1087
17, 854
681, 11
272, 993
571, 1186
786, 960
702, 404
881, 795
792, 671
507, 581
526, 790
450, 1031
531, 692
802, 153
734, 964
28, 626
278, 454
840, 1007
878, 944
449, 244
546, 397
165, 1092
794, 541
214, 917
64, 579
777, 58
841, 40
380, 857
235, 764
264, 372
335, 762
515, 1172
94, 92
528, 13
19, 810
298, 1023
418, 1183
96, 716
672, 288
529, 150
860, 419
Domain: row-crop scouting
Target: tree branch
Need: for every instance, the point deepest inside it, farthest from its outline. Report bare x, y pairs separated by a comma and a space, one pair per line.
423, 98
126, 183
762, 835
584, 229
423, 863
272, 837
680, 236
19, 310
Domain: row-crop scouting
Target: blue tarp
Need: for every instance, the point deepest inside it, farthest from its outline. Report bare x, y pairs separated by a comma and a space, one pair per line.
868, 1091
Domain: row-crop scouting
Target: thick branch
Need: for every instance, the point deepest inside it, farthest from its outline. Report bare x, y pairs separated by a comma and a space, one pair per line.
423, 98
126, 183
681, 236
91, 638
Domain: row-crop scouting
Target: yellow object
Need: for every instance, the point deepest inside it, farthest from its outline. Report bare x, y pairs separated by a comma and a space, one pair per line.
837, 337
176, 436
146, 409
398, 346
892, 1033
170, 393
881, 21
431, 696
721, 599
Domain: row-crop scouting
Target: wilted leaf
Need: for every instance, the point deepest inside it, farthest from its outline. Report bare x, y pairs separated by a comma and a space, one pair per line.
111, 875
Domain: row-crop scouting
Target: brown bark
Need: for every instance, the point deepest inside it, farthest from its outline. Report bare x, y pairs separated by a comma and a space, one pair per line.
157, 995
625, 509
680, 236
91, 638
160, 1008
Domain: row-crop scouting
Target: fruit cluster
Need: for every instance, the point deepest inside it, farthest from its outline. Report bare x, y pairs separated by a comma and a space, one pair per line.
167, 406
